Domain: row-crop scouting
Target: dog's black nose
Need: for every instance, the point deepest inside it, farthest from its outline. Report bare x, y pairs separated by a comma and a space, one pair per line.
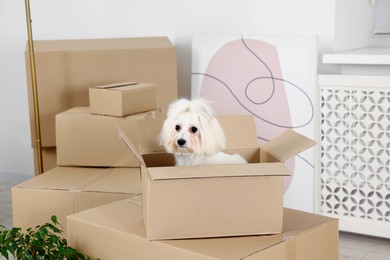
181, 142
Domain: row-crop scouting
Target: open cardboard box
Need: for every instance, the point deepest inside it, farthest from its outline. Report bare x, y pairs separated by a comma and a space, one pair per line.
214, 200
115, 231
122, 99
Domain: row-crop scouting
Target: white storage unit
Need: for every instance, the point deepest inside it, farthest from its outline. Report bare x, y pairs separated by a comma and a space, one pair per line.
355, 145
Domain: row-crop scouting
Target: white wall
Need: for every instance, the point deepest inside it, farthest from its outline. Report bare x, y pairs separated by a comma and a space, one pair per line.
179, 20
355, 28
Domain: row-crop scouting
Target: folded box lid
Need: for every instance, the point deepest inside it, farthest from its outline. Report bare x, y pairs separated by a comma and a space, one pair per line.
288, 144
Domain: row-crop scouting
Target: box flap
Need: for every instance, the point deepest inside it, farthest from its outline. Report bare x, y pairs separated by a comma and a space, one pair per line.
148, 132
240, 132
130, 145
115, 85
218, 170
287, 145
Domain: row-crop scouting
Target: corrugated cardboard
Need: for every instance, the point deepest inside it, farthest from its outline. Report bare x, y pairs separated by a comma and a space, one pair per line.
85, 139
65, 69
66, 190
49, 158
122, 99
215, 200
115, 231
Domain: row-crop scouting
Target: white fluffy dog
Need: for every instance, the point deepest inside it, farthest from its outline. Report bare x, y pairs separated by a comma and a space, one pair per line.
194, 136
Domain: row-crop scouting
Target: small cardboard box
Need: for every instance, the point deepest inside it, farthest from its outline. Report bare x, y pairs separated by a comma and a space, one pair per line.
115, 231
67, 68
66, 190
122, 99
215, 200
85, 139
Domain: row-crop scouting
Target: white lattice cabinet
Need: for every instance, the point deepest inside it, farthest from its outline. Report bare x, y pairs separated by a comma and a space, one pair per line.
355, 152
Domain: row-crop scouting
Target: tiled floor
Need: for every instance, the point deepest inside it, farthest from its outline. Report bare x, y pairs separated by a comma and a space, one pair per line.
352, 246
356, 247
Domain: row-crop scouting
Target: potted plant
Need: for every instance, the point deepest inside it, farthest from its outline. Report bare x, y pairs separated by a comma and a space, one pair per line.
42, 242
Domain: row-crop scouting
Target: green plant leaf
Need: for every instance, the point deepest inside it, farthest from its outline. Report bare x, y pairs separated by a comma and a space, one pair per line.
54, 219
41, 242
4, 252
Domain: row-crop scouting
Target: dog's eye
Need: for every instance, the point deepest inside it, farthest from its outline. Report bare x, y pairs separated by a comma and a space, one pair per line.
193, 129
177, 128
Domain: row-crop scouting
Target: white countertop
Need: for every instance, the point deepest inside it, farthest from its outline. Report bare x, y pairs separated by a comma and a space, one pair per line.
363, 56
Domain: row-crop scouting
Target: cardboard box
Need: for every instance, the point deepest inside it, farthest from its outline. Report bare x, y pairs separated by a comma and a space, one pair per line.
65, 69
122, 99
85, 139
215, 200
49, 159
115, 231
66, 190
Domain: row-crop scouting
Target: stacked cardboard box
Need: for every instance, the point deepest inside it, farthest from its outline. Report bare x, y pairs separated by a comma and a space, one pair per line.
62, 191
115, 231
84, 158
211, 211
67, 68
87, 139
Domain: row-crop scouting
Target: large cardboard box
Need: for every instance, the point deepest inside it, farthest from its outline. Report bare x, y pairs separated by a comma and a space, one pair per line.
85, 139
215, 200
115, 231
122, 99
65, 69
66, 190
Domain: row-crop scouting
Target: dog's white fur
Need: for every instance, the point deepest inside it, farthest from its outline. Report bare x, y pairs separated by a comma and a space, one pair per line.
194, 135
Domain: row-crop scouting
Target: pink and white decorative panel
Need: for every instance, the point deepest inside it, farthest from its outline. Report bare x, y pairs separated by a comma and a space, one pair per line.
273, 78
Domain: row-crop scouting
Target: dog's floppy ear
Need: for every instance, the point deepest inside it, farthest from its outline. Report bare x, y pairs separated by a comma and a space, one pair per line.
166, 136
212, 135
